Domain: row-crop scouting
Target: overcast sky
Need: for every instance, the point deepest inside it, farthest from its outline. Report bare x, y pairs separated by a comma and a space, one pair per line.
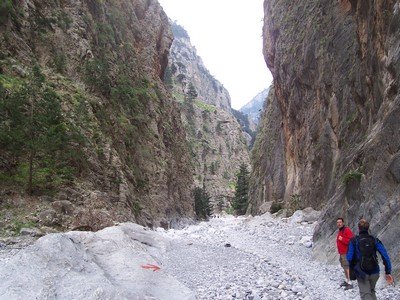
228, 37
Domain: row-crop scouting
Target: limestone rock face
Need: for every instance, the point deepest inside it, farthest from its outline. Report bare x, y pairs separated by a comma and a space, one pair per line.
254, 107
105, 61
268, 177
336, 67
190, 68
217, 142
83, 265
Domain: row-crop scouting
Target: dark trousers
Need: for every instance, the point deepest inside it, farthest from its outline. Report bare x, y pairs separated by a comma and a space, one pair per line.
367, 287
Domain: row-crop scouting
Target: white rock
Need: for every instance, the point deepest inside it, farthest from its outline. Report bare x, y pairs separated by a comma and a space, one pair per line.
308, 244
298, 288
281, 286
80, 265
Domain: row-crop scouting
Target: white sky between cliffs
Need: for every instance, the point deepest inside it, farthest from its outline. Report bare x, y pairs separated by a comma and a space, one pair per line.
227, 35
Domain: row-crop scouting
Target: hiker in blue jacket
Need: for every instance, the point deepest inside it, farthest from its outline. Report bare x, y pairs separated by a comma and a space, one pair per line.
363, 259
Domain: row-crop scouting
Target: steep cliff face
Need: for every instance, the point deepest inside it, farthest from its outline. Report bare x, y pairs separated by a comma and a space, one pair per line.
254, 107
100, 63
217, 143
335, 67
268, 177
249, 116
190, 70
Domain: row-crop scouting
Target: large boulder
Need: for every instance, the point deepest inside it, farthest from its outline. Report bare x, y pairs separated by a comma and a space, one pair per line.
107, 264
306, 215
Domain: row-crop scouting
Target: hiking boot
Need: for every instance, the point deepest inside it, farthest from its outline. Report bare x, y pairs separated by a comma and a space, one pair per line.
343, 284
348, 287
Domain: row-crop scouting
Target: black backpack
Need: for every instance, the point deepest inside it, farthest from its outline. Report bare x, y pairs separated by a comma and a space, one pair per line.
368, 259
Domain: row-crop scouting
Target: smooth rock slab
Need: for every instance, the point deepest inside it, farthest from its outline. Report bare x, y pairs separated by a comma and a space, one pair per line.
86, 265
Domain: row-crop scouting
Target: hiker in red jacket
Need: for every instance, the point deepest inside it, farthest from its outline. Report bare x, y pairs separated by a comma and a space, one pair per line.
342, 241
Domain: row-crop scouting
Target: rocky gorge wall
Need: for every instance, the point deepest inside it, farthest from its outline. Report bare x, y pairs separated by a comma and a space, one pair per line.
102, 64
334, 143
254, 107
217, 142
189, 69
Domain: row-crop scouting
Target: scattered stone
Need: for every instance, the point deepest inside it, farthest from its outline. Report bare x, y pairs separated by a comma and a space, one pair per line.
20, 71
308, 244
298, 288
62, 196
306, 241
31, 232
63, 207
32, 218
304, 216
46, 199
48, 217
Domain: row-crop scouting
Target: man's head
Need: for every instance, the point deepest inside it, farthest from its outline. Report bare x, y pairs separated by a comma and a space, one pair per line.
363, 225
340, 223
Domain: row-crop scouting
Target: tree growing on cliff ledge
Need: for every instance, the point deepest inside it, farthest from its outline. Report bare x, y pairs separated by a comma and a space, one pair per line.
241, 200
35, 136
202, 206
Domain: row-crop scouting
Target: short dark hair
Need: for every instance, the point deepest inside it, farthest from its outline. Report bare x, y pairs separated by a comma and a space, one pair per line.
340, 219
363, 225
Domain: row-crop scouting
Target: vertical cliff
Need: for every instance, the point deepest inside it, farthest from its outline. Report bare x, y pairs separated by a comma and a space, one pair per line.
217, 143
336, 67
100, 63
254, 108
268, 177
188, 68
249, 115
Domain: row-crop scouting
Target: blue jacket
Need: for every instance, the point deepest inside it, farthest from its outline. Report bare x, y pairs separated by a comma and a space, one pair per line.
354, 253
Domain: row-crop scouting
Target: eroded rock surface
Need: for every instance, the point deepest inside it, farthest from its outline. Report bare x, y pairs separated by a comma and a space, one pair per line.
336, 67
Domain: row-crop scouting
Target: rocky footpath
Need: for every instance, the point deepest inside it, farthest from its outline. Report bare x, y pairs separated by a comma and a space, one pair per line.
262, 257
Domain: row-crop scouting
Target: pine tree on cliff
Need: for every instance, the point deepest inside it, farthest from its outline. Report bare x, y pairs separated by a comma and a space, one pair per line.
191, 93
35, 137
202, 206
241, 200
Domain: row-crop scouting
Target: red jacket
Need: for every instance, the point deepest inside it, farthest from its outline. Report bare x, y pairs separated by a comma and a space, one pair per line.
346, 234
